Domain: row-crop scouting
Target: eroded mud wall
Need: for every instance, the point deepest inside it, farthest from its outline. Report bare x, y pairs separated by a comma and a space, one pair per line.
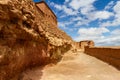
109, 55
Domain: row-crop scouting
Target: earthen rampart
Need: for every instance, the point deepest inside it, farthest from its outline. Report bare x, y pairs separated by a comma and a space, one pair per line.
81, 45
109, 55
29, 37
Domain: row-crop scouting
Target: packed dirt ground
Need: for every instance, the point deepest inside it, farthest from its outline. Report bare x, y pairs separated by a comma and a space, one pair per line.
73, 66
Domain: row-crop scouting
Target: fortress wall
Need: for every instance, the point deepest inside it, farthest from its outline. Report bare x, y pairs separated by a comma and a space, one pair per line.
109, 55
49, 17
28, 38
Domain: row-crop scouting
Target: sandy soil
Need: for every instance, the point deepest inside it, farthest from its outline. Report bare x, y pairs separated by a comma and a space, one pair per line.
74, 66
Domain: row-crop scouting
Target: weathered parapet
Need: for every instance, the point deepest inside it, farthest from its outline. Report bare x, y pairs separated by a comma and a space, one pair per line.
47, 12
109, 55
81, 45
86, 43
26, 39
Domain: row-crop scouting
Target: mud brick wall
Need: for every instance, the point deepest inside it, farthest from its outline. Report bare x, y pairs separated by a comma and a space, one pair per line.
109, 55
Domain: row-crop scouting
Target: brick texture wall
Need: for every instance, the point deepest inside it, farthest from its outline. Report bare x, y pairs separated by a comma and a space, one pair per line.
49, 16
109, 55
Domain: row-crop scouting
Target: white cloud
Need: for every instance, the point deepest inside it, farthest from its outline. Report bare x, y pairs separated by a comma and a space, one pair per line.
59, 7
77, 4
116, 20
117, 13
64, 24
110, 5
76, 19
91, 16
64, 8
92, 31
103, 15
87, 9
69, 11
113, 39
67, 1
116, 32
62, 16
82, 22
81, 7
117, 7
97, 35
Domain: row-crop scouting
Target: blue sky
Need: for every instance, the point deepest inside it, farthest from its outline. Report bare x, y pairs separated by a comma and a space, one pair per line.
97, 20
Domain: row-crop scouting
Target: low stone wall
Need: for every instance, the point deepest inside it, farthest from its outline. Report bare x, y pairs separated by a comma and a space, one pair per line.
109, 55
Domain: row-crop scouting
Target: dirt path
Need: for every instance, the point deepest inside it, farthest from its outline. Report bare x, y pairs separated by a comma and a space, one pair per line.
74, 66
